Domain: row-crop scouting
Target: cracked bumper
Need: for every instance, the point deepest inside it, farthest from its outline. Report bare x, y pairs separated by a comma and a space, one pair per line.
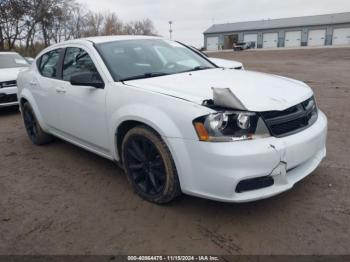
213, 170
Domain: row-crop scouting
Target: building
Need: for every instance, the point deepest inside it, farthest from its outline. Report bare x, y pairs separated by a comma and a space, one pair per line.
319, 30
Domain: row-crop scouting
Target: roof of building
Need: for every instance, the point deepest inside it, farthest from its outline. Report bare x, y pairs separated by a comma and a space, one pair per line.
315, 20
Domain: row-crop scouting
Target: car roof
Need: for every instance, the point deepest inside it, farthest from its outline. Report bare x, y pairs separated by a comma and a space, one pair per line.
97, 40
105, 39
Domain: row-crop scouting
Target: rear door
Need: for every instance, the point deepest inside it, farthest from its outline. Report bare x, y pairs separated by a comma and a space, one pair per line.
43, 85
82, 109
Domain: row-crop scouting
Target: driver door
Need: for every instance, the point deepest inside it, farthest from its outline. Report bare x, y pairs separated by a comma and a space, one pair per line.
83, 112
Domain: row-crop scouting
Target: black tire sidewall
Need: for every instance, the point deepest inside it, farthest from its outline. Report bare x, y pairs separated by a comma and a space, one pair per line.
41, 137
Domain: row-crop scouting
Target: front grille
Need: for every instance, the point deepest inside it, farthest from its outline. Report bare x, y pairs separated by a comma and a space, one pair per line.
291, 120
8, 84
8, 98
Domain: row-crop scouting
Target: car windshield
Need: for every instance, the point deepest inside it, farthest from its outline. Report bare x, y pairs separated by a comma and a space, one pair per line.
138, 59
12, 61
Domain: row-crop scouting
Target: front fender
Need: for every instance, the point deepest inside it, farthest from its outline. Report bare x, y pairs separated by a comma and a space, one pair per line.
151, 116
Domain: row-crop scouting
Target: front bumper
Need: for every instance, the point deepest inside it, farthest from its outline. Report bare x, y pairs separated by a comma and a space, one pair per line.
213, 170
8, 96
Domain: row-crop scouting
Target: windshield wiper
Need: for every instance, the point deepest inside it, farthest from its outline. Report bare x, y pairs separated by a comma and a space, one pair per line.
198, 68
145, 75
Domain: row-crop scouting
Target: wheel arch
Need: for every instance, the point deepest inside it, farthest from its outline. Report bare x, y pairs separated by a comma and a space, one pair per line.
126, 125
133, 115
121, 132
27, 97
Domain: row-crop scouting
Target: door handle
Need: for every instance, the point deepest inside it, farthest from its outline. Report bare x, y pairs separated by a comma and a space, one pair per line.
33, 83
60, 90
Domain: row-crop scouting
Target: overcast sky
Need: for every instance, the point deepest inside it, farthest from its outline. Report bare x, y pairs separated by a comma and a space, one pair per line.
192, 17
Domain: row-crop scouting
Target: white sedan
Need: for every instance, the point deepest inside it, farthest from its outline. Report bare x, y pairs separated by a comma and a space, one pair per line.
10, 65
174, 120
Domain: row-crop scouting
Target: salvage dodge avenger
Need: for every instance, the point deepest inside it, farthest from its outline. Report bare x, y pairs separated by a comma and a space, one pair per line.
173, 119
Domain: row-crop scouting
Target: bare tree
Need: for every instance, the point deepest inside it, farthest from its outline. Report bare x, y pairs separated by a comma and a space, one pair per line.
2, 24
93, 24
112, 25
12, 15
38, 23
75, 25
31, 22
144, 27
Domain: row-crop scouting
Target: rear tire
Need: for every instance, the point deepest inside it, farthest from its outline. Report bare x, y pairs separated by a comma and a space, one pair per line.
149, 166
33, 128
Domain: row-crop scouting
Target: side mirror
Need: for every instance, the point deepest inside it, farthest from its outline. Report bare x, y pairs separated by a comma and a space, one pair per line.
87, 79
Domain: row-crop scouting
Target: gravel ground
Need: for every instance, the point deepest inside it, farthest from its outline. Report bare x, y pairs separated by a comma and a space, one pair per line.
59, 199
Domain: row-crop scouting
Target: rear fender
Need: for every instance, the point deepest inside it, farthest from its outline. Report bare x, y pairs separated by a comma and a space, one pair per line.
25, 94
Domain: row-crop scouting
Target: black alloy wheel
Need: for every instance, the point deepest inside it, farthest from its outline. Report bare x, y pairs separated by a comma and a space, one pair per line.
145, 165
149, 166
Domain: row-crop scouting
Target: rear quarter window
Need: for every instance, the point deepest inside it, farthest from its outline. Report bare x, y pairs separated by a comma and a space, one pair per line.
48, 63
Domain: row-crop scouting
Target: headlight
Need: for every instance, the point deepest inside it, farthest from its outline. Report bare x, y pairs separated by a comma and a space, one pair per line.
230, 126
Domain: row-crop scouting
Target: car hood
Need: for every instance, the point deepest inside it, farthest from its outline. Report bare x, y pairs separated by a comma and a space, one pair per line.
258, 92
10, 74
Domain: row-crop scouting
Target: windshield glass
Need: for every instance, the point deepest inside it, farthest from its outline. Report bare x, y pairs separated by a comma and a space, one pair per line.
137, 59
12, 61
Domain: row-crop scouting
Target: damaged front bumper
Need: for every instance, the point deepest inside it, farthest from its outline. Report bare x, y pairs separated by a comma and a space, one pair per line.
215, 170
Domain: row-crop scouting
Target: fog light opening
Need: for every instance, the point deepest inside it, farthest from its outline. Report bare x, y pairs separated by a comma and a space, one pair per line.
254, 184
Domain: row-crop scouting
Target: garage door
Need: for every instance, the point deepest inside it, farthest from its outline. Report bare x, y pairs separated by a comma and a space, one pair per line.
292, 39
317, 37
212, 43
251, 38
341, 36
270, 40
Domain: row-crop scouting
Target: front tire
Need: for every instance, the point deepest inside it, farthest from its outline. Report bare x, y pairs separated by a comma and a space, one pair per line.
149, 166
33, 128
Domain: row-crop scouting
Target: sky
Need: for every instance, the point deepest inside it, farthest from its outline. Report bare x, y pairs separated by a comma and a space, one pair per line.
192, 17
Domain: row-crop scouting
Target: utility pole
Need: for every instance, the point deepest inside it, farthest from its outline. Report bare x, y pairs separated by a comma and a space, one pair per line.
171, 30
